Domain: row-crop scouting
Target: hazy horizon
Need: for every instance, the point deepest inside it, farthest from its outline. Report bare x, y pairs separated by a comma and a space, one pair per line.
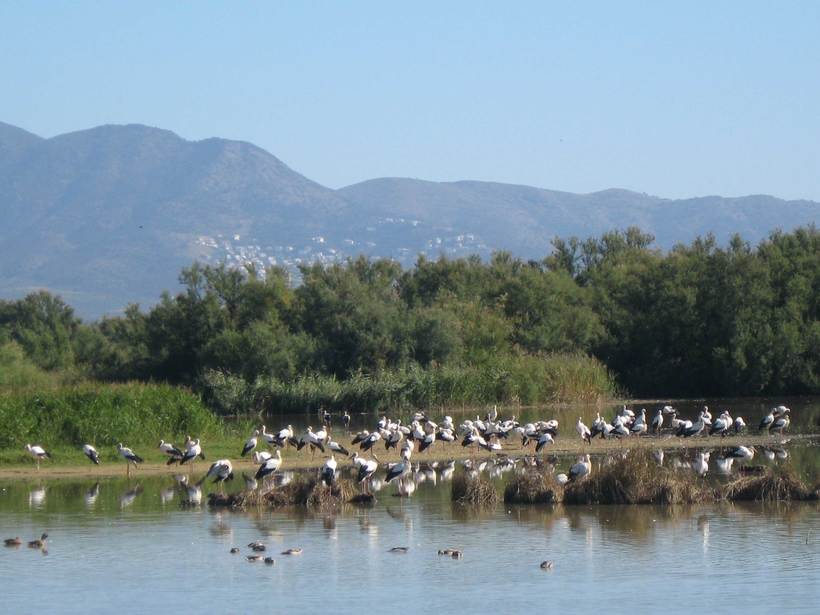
674, 101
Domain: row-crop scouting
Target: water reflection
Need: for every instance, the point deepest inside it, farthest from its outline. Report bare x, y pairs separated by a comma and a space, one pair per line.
349, 550
37, 497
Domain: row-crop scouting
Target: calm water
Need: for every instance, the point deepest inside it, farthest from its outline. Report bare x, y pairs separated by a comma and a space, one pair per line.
135, 546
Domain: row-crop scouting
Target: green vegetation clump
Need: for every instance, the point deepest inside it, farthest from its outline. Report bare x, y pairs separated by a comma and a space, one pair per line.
103, 415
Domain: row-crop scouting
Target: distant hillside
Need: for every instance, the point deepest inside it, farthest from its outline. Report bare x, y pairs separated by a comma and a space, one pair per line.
524, 219
109, 215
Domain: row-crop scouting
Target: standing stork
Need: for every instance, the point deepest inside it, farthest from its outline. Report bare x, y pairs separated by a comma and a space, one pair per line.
250, 443
543, 440
367, 468
580, 469
269, 466
780, 423
129, 456
329, 471
346, 420
739, 424
638, 426
193, 451
173, 453
397, 469
221, 470
657, 422
766, 421
91, 452
583, 431
38, 452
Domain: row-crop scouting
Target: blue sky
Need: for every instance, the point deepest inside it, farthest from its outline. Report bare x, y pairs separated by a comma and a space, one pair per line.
671, 98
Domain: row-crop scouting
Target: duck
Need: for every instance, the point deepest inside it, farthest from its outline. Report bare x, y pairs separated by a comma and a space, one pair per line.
13, 542
38, 543
293, 551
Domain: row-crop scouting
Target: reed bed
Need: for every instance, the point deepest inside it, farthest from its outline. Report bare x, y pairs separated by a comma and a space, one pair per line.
637, 480
514, 379
770, 487
473, 490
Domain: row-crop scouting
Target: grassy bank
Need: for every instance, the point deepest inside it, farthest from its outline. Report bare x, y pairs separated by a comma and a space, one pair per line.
67, 417
523, 380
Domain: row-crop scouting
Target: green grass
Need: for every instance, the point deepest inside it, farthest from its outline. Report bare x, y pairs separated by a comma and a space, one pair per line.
103, 415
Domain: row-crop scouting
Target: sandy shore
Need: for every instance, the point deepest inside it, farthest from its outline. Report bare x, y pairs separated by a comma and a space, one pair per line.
299, 460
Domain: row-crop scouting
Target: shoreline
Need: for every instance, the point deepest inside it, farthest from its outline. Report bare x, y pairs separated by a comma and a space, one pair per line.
293, 460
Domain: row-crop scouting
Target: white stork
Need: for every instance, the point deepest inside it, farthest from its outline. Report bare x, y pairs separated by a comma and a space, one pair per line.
129, 456
91, 452
657, 422
766, 421
250, 443
269, 466
543, 440
780, 423
329, 471
221, 470
581, 469
194, 450
173, 453
397, 469
38, 452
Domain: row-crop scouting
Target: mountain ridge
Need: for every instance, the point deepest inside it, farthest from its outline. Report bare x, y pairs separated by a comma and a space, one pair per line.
109, 214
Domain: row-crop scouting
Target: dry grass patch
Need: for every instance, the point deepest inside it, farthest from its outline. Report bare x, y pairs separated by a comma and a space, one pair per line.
473, 490
533, 487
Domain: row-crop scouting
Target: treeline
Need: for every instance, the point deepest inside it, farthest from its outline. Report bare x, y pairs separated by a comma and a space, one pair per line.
700, 319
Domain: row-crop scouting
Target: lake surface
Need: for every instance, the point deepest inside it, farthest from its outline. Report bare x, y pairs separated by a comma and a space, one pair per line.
153, 544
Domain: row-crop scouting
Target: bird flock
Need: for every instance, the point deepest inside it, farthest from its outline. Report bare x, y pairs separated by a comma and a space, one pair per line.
420, 435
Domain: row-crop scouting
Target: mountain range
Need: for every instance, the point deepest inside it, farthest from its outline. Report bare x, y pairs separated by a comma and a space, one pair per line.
109, 215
